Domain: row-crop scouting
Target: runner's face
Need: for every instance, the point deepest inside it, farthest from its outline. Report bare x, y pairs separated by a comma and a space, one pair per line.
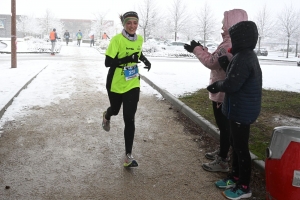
131, 26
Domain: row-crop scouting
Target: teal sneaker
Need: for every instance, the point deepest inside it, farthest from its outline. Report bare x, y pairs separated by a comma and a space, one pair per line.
129, 161
238, 192
225, 183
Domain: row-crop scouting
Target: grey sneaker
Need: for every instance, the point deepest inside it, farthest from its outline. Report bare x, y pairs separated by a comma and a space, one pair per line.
105, 123
129, 161
212, 155
217, 165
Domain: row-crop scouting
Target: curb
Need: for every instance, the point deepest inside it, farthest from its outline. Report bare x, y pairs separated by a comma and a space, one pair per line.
198, 119
11, 98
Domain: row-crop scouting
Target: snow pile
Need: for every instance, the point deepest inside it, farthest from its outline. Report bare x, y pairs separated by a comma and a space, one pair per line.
31, 45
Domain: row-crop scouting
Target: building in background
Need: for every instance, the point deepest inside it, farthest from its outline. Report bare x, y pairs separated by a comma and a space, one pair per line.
5, 26
72, 25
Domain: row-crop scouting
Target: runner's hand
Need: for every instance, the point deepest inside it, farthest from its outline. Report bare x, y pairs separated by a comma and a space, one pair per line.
128, 59
134, 57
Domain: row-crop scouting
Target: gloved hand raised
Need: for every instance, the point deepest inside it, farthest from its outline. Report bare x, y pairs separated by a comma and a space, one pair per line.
224, 62
194, 43
190, 48
215, 87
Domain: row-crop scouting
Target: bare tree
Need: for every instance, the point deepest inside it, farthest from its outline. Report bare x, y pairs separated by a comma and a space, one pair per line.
264, 23
297, 38
48, 22
148, 17
22, 24
163, 30
100, 25
29, 25
206, 23
288, 24
179, 16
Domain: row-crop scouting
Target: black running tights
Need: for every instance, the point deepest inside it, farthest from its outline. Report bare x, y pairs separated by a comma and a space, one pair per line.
130, 101
223, 125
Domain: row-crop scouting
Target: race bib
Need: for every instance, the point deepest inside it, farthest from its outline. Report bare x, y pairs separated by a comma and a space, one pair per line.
131, 72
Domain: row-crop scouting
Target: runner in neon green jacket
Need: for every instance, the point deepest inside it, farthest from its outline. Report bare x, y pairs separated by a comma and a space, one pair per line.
123, 80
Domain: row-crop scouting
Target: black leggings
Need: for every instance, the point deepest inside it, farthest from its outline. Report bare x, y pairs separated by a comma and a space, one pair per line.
130, 101
241, 159
223, 125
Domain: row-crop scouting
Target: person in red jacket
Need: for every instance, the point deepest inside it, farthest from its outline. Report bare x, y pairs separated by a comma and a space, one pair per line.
53, 37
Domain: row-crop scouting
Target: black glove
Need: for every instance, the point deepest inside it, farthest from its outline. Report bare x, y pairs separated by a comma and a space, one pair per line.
215, 87
194, 43
190, 48
148, 64
128, 59
145, 61
224, 62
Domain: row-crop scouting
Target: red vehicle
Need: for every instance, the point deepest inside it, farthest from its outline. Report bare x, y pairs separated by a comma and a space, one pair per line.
282, 166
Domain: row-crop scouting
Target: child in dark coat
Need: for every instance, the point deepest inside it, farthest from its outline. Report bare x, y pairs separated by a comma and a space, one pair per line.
241, 106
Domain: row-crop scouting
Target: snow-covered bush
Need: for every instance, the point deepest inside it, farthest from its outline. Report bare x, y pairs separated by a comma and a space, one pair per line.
102, 44
40, 45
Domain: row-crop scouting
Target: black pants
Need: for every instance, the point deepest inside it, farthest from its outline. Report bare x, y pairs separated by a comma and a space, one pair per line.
130, 101
241, 159
223, 125
92, 43
78, 42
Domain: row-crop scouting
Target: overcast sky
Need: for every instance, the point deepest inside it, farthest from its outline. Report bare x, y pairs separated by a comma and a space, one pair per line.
84, 9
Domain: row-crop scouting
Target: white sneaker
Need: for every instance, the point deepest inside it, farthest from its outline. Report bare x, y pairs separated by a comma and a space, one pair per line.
212, 155
129, 161
218, 165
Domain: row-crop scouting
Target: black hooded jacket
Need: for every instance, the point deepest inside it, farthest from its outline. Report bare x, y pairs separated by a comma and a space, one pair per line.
243, 82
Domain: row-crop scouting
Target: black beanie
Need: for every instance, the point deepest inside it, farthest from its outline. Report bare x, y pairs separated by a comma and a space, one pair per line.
129, 15
243, 35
